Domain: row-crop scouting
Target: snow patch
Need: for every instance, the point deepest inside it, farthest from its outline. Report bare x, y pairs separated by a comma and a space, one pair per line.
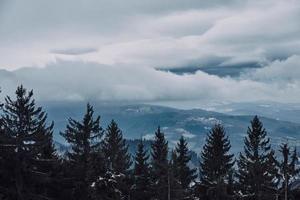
204, 120
148, 137
185, 133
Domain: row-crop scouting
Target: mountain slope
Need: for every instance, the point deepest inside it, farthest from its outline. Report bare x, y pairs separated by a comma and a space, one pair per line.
138, 121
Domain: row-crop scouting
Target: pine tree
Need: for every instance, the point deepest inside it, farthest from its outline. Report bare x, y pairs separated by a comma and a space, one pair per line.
184, 174
160, 165
288, 168
84, 139
117, 157
115, 150
216, 162
142, 181
257, 166
175, 189
24, 139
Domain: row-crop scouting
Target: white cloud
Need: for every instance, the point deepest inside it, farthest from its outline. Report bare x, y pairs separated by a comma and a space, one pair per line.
109, 51
70, 80
153, 34
280, 71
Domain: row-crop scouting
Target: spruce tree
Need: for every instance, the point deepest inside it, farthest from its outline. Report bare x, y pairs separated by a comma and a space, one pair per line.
160, 165
115, 150
256, 165
216, 161
24, 140
142, 181
287, 168
175, 189
84, 139
184, 174
117, 157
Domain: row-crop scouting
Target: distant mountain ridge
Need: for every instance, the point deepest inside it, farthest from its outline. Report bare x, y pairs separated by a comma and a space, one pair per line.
141, 120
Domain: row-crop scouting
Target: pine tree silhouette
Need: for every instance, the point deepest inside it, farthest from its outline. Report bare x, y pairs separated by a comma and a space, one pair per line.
115, 150
256, 165
216, 162
141, 174
26, 148
184, 174
117, 157
84, 139
160, 165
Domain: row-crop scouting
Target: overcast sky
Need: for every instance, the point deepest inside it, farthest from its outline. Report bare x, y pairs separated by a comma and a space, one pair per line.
123, 50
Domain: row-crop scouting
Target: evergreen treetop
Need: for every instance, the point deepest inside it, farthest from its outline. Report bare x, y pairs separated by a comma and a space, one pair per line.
84, 138
160, 165
26, 146
257, 170
115, 150
216, 161
141, 174
184, 174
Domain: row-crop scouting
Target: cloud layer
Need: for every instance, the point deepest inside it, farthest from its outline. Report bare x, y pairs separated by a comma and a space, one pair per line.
106, 50
76, 80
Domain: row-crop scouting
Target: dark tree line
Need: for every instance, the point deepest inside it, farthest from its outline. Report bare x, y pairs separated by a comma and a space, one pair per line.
98, 165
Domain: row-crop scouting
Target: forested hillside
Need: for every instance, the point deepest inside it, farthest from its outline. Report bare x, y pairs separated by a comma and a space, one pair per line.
100, 164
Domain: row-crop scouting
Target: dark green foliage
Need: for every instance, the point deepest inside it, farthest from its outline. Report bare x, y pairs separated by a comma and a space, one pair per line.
84, 138
26, 149
180, 172
287, 168
175, 189
115, 150
117, 157
256, 165
160, 165
142, 181
184, 174
216, 162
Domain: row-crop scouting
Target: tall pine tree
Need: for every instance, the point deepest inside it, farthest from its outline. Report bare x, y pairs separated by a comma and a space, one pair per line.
184, 174
256, 165
84, 139
216, 161
160, 165
26, 145
115, 150
287, 168
175, 189
117, 157
142, 181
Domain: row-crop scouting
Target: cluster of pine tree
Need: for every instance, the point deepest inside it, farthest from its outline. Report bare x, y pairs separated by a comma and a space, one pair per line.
98, 165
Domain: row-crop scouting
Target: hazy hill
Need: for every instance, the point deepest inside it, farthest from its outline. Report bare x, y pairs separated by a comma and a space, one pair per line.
138, 121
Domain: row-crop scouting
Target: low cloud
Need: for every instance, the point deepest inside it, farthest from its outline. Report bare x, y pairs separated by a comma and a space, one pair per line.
74, 51
111, 51
280, 71
153, 35
82, 81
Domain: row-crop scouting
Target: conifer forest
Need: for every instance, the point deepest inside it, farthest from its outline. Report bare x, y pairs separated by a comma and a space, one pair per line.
98, 165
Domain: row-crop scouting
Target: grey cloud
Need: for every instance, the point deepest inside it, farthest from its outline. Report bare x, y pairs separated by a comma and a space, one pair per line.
79, 81
21, 17
118, 48
156, 35
278, 72
74, 51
